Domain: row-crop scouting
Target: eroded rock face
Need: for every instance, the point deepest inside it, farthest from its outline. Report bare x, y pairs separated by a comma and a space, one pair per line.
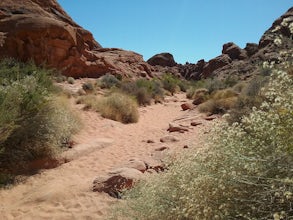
42, 31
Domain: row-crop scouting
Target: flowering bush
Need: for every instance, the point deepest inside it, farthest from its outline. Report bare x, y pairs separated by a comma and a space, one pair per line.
245, 172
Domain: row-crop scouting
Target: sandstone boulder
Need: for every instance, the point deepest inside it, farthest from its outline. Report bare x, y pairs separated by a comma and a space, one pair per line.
251, 49
187, 106
233, 51
136, 164
116, 181
43, 32
216, 63
162, 59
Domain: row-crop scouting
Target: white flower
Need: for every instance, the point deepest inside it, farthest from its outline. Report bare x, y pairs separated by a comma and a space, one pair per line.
278, 41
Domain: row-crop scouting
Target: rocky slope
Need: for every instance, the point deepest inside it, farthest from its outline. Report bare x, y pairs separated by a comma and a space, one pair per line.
42, 31
276, 45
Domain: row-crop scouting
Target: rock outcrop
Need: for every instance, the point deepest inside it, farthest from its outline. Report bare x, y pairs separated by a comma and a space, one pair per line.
274, 46
162, 59
42, 31
234, 51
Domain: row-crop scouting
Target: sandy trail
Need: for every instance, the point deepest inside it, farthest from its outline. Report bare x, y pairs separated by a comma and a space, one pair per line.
66, 191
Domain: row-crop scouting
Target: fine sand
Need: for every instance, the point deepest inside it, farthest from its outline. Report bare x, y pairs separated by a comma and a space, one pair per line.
66, 192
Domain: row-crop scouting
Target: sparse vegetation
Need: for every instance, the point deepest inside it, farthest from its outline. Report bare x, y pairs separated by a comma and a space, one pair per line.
143, 90
34, 122
245, 172
220, 102
116, 106
170, 83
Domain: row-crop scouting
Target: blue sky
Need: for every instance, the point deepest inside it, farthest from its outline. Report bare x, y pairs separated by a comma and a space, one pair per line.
189, 29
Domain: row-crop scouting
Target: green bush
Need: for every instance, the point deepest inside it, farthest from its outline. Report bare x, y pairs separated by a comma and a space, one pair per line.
108, 81
245, 172
250, 96
214, 84
143, 90
170, 83
34, 122
88, 87
70, 80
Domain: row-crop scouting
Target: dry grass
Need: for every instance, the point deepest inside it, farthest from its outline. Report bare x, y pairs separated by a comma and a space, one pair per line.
119, 107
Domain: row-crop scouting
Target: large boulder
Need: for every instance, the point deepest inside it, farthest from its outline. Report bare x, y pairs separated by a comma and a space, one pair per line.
216, 63
162, 59
251, 49
233, 51
43, 32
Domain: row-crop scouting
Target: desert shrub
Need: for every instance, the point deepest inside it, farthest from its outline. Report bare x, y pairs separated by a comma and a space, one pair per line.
230, 81
250, 96
254, 86
220, 102
170, 83
193, 92
108, 81
224, 93
199, 96
210, 106
210, 84
60, 78
70, 80
143, 97
11, 70
143, 90
183, 85
214, 84
244, 173
119, 107
239, 87
88, 86
33, 121
90, 102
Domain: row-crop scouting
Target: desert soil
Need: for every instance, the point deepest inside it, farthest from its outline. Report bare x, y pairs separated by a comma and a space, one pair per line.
66, 192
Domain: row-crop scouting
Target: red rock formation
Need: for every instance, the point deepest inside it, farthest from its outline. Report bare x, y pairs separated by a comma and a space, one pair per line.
162, 59
42, 31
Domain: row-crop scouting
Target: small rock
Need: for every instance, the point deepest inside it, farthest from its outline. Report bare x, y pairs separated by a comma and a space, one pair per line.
150, 141
194, 123
116, 181
176, 128
187, 106
136, 164
185, 146
161, 148
169, 139
210, 118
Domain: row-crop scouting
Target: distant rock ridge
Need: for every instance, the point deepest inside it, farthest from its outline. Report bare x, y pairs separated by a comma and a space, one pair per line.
276, 45
42, 31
